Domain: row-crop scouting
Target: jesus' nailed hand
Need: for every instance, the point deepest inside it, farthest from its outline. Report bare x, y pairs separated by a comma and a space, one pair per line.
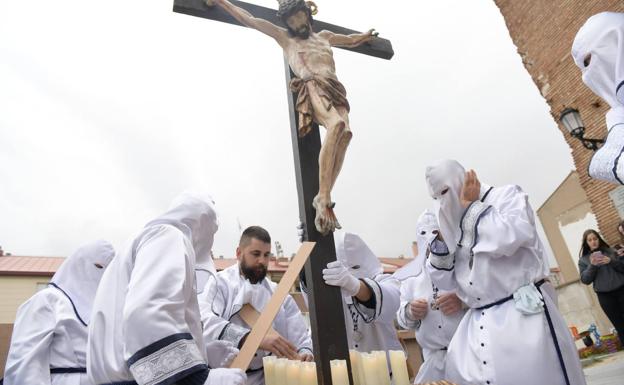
321, 99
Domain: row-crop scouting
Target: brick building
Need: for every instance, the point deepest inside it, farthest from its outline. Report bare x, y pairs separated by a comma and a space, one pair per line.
543, 32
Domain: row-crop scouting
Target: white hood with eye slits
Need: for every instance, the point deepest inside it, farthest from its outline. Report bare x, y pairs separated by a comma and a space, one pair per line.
80, 274
427, 229
445, 180
195, 215
598, 50
602, 37
356, 255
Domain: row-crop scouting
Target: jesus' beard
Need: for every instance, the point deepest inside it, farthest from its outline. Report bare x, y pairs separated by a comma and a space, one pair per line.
301, 33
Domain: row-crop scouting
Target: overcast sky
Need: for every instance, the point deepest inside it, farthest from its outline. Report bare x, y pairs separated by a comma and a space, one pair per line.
108, 109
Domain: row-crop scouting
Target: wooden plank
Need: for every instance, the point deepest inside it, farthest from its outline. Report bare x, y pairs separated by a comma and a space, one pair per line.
250, 315
252, 343
329, 331
378, 47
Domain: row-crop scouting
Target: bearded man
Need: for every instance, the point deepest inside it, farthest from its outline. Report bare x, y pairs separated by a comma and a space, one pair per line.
246, 283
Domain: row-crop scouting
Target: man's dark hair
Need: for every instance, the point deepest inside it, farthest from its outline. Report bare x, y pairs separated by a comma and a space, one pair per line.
254, 232
288, 8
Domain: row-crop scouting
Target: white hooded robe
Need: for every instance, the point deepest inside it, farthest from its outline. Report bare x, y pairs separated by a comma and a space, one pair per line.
49, 342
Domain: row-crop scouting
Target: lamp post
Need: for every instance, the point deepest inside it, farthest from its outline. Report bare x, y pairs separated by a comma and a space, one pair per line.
571, 120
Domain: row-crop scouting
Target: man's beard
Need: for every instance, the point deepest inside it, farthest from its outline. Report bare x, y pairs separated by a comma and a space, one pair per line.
302, 33
253, 274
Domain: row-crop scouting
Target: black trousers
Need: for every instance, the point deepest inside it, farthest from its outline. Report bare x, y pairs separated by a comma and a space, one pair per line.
612, 303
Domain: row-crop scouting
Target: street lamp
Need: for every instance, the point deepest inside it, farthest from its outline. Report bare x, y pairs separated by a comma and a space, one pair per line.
571, 120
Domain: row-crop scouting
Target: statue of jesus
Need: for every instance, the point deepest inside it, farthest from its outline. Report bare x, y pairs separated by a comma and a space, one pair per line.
321, 96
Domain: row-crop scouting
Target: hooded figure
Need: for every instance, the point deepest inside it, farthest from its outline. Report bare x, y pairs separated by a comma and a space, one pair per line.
146, 327
49, 342
370, 322
598, 50
491, 254
435, 330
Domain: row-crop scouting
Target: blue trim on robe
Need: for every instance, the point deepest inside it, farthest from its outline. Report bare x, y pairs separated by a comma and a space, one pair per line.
70, 300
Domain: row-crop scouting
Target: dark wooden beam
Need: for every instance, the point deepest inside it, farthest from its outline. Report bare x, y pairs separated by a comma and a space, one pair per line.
329, 332
378, 47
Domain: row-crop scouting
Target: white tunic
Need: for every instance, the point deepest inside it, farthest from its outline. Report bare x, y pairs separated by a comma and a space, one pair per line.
372, 328
434, 332
146, 326
47, 334
499, 252
49, 340
223, 297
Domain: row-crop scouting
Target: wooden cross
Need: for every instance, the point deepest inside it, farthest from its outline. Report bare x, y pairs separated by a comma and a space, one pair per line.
326, 312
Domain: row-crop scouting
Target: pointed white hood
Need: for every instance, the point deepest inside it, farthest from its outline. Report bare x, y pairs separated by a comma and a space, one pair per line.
79, 277
427, 229
602, 37
195, 215
356, 255
445, 180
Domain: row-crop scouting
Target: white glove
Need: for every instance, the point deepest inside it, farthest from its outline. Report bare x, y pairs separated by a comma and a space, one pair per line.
301, 233
337, 274
226, 377
220, 353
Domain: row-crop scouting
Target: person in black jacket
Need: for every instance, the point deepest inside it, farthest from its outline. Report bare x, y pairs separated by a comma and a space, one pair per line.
600, 265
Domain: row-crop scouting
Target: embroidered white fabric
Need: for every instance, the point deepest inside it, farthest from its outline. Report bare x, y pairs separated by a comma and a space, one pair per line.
166, 362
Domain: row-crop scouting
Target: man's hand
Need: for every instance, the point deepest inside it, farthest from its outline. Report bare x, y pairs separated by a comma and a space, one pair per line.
306, 357
210, 3
337, 274
279, 346
418, 309
226, 377
449, 303
471, 190
220, 354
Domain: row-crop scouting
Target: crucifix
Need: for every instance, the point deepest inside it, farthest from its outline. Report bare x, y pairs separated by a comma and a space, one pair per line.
315, 96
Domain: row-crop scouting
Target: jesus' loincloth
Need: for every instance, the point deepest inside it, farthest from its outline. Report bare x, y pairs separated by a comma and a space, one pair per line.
330, 90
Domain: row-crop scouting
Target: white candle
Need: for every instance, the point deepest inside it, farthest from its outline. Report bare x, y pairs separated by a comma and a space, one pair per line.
269, 369
369, 366
308, 374
292, 372
356, 367
382, 367
399, 367
280, 371
339, 373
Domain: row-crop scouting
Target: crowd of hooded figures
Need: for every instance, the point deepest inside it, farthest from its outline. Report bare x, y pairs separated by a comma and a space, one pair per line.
477, 295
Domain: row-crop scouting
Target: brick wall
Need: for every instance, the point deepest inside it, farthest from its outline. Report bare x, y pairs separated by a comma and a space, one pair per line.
543, 32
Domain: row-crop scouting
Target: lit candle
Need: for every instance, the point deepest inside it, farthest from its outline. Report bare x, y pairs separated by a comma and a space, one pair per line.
382, 367
399, 367
308, 374
280, 371
339, 373
356, 367
269, 369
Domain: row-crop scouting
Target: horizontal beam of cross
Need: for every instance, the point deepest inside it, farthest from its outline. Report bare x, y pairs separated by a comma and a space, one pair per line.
377, 47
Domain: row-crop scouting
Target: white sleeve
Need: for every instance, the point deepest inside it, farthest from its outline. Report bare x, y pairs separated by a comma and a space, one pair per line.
502, 230
28, 361
441, 266
407, 295
298, 333
386, 297
212, 304
159, 346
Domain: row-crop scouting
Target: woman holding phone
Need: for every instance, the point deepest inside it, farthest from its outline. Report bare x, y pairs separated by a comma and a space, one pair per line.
600, 265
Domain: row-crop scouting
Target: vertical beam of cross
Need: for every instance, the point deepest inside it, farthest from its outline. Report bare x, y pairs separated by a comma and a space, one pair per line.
329, 333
